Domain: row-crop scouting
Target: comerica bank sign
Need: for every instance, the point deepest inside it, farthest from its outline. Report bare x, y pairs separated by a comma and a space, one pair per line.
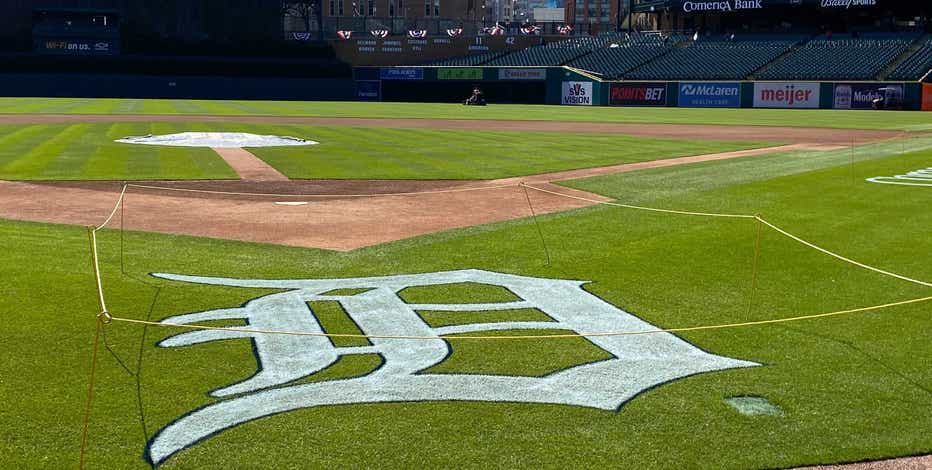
726, 5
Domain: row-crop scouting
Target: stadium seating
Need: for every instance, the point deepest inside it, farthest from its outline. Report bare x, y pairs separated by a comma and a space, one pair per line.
840, 58
469, 60
917, 65
621, 56
557, 53
714, 59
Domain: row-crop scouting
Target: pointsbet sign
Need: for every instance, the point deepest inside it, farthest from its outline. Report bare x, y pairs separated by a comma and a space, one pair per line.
786, 95
638, 94
577, 93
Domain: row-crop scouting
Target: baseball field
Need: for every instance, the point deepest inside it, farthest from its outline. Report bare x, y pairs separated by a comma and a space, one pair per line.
440, 286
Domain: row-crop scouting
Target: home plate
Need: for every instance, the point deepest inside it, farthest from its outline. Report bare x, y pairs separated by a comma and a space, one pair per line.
291, 203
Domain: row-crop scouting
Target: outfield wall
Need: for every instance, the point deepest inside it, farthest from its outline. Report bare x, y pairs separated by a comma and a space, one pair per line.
571, 87
176, 87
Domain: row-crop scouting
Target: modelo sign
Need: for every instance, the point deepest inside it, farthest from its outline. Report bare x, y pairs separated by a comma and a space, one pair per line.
577, 93
786, 95
710, 95
638, 94
868, 96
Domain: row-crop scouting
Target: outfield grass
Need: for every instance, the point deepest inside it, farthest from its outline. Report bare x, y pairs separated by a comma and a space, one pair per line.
847, 119
850, 388
87, 151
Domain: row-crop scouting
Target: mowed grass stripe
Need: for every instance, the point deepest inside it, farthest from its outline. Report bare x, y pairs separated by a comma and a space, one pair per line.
827, 118
865, 374
443, 154
59, 145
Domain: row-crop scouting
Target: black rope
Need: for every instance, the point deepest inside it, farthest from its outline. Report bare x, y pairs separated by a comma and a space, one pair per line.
540, 232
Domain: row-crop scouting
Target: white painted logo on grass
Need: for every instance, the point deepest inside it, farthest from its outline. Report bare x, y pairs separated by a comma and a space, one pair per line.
639, 362
216, 140
913, 178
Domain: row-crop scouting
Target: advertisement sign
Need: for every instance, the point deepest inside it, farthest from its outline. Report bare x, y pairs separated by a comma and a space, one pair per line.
77, 46
926, 97
369, 90
868, 95
459, 73
408, 73
710, 95
522, 74
577, 93
723, 5
727, 6
638, 94
786, 95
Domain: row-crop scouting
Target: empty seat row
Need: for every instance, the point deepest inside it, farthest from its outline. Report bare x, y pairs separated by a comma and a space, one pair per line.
916, 66
838, 59
712, 60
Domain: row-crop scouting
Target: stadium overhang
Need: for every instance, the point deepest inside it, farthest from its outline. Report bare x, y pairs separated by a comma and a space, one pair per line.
726, 6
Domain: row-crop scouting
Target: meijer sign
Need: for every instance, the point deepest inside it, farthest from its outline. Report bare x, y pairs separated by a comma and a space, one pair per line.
786, 95
577, 93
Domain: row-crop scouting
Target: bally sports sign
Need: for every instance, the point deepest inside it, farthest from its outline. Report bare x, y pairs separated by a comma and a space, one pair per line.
786, 95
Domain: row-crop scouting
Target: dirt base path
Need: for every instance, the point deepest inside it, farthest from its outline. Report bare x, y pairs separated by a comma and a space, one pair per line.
906, 463
341, 220
342, 215
248, 166
788, 135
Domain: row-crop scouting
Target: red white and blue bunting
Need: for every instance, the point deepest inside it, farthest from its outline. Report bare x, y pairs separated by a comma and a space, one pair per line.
379, 33
530, 30
565, 30
344, 34
417, 33
454, 32
301, 36
496, 30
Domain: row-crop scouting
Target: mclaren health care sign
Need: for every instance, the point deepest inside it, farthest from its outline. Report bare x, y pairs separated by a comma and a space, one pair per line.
786, 95
577, 93
710, 95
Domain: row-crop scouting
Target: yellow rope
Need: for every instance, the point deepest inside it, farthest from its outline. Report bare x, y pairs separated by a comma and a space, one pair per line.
642, 208
525, 337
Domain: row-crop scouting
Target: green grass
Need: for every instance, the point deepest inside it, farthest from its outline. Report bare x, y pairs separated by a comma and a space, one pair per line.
898, 120
87, 151
851, 388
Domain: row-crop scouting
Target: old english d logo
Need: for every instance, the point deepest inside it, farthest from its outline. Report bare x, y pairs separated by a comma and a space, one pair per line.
578, 90
638, 362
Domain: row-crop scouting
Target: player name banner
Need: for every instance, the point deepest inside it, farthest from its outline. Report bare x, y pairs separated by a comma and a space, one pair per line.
786, 95
459, 73
522, 74
638, 94
710, 95
408, 73
926, 97
577, 93
863, 95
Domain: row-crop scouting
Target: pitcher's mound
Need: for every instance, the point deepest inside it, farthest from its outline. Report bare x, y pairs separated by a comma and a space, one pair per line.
216, 140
